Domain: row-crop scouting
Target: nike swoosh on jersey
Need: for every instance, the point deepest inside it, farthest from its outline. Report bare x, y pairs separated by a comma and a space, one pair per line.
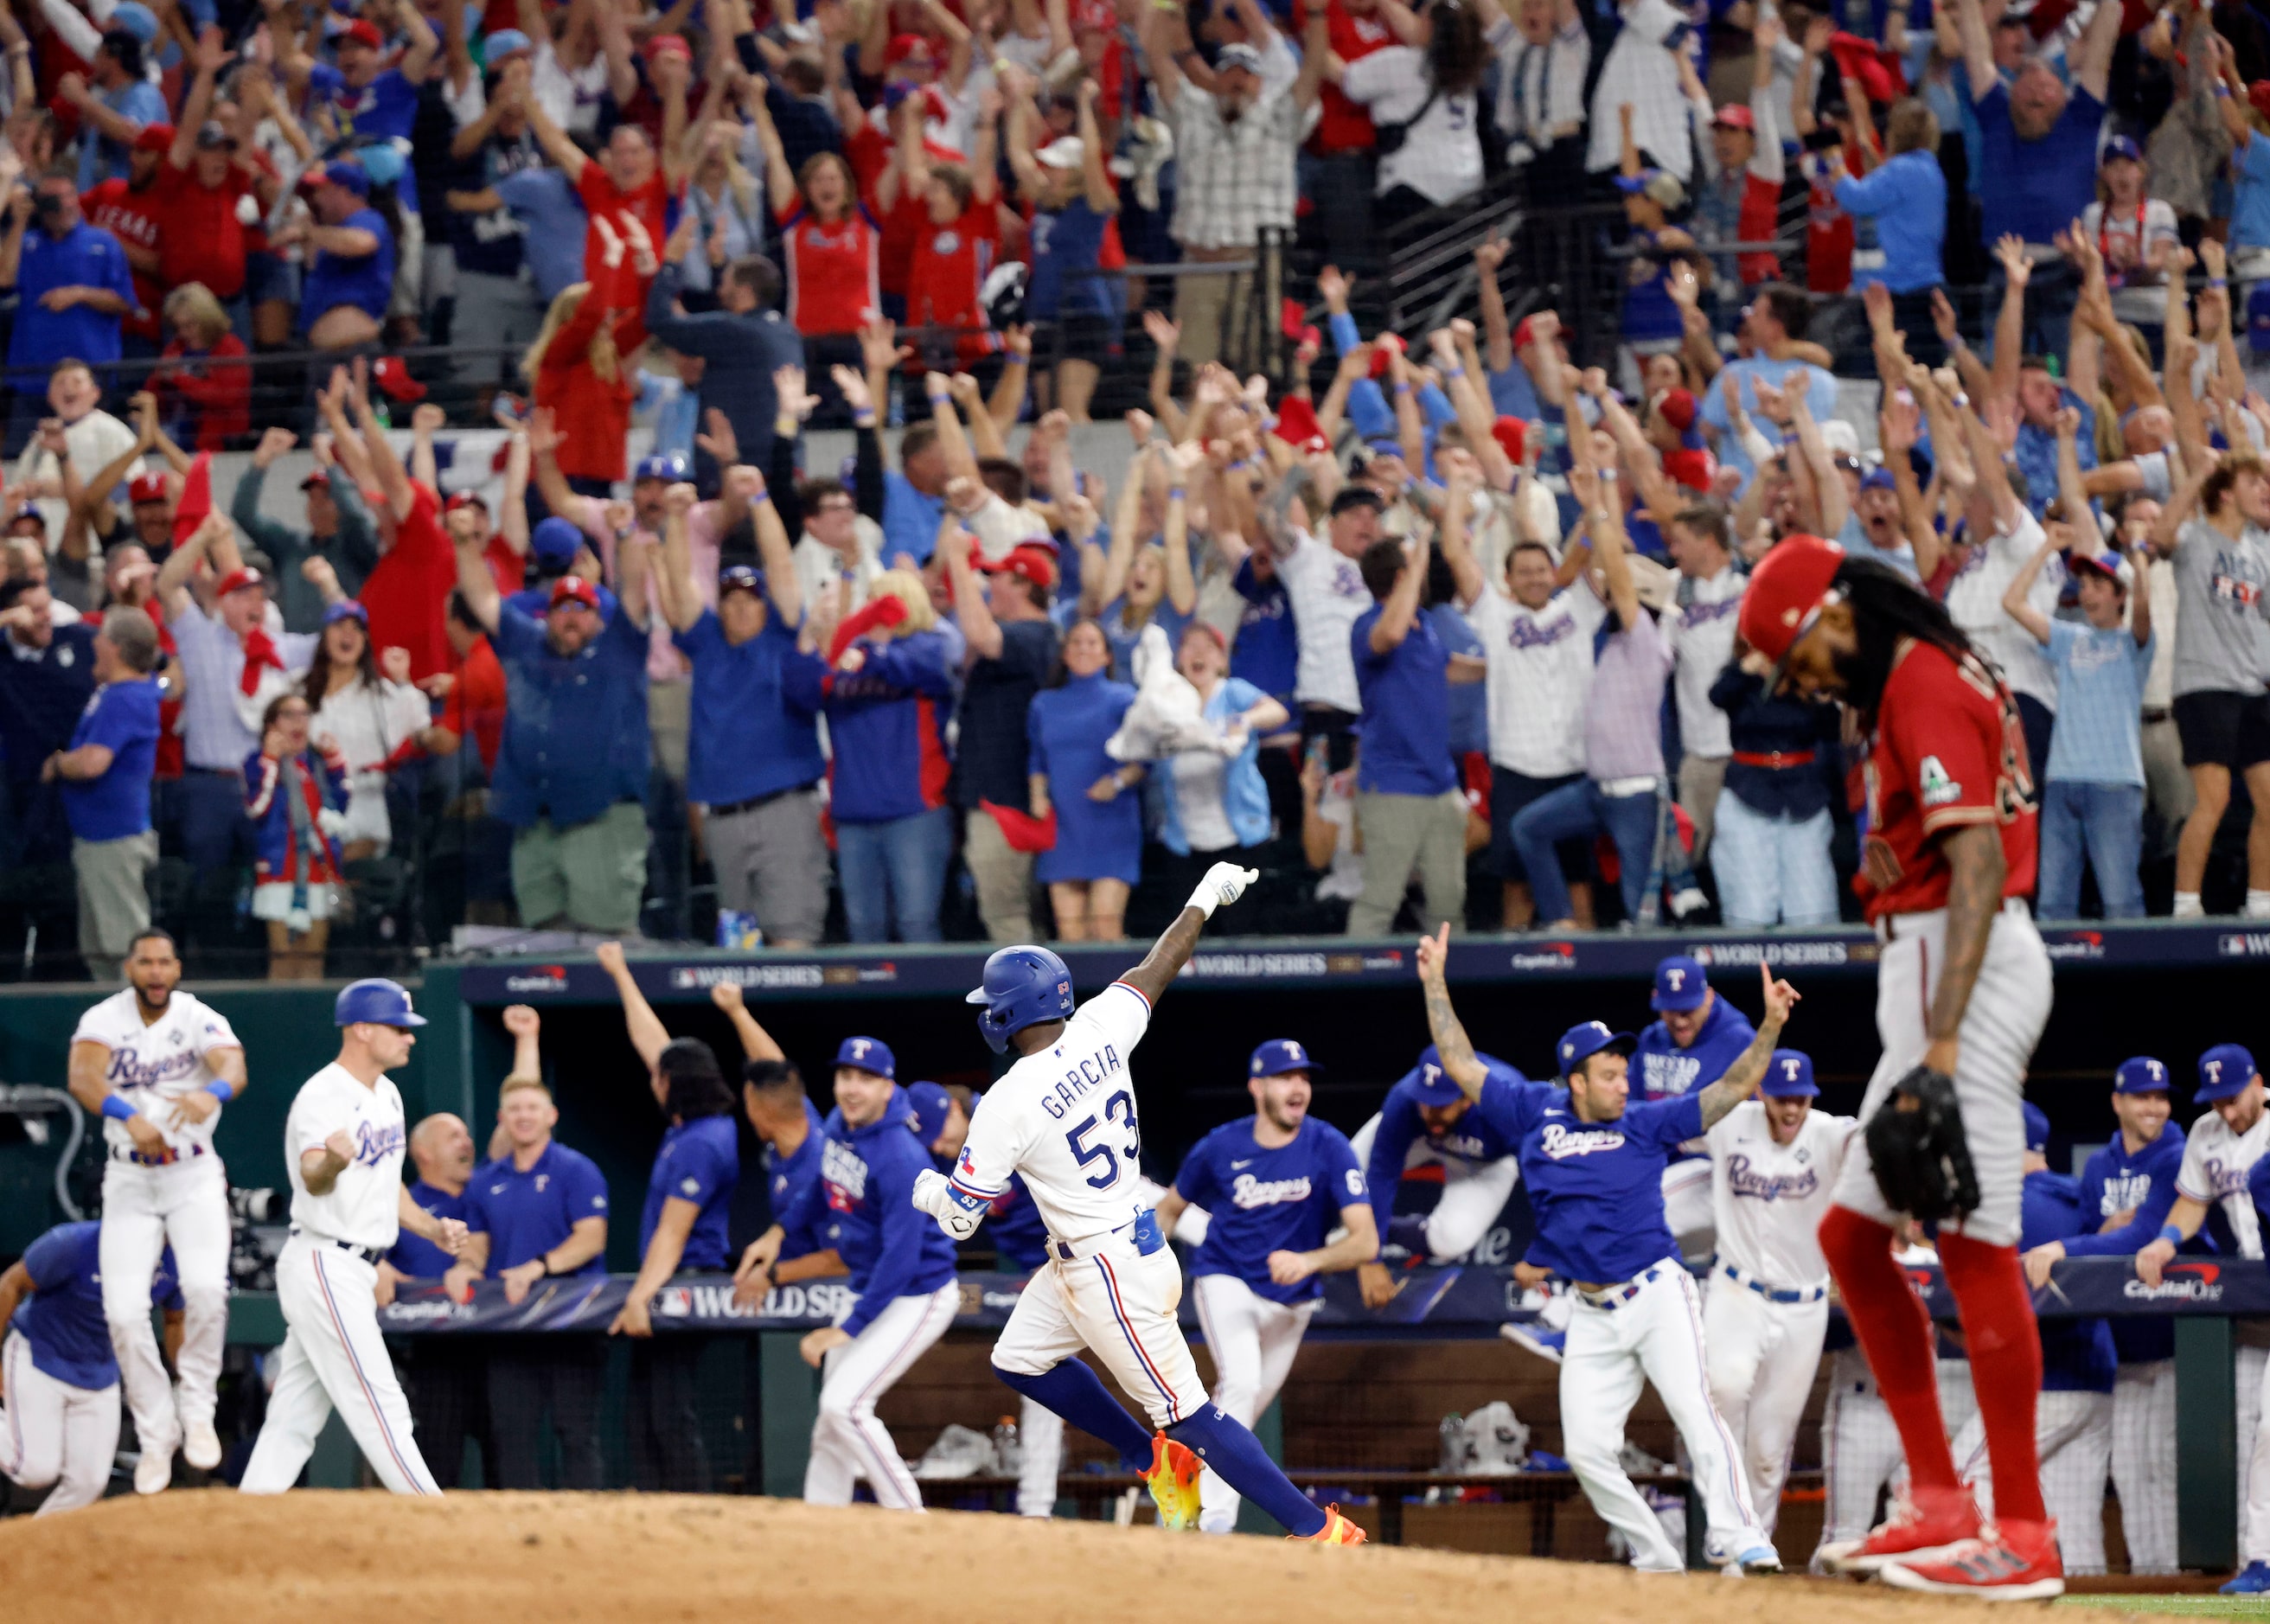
1246, 1163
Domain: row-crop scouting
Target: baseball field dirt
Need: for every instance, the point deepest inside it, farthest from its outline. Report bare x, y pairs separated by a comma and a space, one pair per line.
365, 1558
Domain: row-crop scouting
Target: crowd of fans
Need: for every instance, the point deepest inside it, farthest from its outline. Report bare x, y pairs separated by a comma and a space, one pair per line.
1442, 629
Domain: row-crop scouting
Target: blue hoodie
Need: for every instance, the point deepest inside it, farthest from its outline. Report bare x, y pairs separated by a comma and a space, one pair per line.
886, 724
1660, 1070
2077, 1354
861, 1206
2113, 1182
1472, 1137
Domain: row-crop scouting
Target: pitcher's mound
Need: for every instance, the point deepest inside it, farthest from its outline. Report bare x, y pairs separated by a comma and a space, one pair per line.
308, 1558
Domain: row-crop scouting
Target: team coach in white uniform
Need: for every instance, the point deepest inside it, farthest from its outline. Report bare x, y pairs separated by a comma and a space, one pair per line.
343, 1146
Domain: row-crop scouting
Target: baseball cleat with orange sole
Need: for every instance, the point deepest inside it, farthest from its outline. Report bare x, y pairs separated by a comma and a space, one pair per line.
1173, 1480
1336, 1531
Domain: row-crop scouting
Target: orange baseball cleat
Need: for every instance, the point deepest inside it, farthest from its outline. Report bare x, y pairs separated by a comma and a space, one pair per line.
1173, 1480
1336, 1531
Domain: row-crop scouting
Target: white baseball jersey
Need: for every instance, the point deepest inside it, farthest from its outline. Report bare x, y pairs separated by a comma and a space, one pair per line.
1974, 600
158, 1062
1328, 597
1540, 670
1702, 642
364, 1206
1768, 1199
2215, 1164
1065, 1119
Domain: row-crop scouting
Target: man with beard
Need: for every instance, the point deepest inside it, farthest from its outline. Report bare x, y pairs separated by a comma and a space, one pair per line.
158, 1066
1276, 1186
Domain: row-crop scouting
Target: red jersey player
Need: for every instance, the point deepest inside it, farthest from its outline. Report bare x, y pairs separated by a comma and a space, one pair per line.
1962, 988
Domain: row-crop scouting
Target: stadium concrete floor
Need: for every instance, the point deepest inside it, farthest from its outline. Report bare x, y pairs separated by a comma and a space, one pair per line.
362, 1557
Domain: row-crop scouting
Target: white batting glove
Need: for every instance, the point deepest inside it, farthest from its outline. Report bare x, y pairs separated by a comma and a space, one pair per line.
1224, 884
934, 1195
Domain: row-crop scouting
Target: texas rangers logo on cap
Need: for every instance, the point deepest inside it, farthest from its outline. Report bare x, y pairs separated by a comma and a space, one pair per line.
1789, 1076
1279, 1055
2224, 1071
1679, 985
868, 1054
2142, 1074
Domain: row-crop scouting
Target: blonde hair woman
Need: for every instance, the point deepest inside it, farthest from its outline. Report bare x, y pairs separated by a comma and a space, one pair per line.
889, 673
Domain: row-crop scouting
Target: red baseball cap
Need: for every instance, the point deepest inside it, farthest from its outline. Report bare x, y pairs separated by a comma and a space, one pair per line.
1677, 408
147, 488
1734, 115
155, 138
1788, 591
394, 377
1512, 436
905, 45
238, 580
1297, 427
575, 588
318, 477
465, 498
1035, 563
363, 32
1383, 347
2257, 96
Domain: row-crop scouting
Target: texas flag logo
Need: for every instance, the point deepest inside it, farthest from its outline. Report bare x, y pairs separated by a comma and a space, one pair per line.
966, 1163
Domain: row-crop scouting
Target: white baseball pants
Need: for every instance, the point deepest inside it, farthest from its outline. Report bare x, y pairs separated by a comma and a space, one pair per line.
2009, 1006
333, 1355
1687, 1207
846, 1440
1120, 1306
2144, 1462
144, 1209
2253, 1404
1253, 1341
1474, 1193
2073, 1433
1039, 1438
1762, 1356
1656, 1335
51, 1432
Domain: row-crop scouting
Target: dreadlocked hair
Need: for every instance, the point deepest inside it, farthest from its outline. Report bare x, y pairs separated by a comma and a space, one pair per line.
1887, 607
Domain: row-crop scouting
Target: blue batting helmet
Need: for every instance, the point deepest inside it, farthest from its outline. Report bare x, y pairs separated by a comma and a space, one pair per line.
379, 1002
1024, 986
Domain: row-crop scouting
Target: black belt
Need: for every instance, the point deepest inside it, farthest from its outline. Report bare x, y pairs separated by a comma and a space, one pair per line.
756, 801
372, 1255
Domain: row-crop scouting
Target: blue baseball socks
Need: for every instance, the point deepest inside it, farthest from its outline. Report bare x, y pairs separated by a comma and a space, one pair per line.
1224, 1443
1079, 1395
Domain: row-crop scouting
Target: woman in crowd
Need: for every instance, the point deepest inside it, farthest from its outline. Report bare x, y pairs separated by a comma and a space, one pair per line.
1099, 851
828, 250
295, 794
2135, 233
1073, 202
1213, 803
889, 676
729, 210
204, 381
1143, 582
375, 720
579, 367
1428, 95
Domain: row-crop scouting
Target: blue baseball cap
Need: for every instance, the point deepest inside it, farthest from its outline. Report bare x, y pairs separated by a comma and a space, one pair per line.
740, 578
555, 544
346, 609
1280, 1054
505, 42
1430, 1084
671, 468
2037, 1125
2141, 1074
2224, 1071
2121, 146
1680, 983
868, 1054
1789, 1076
132, 17
932, 1105
1580, 1042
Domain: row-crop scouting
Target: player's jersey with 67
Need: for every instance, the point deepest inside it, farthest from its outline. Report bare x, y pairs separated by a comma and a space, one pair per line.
1064, 1117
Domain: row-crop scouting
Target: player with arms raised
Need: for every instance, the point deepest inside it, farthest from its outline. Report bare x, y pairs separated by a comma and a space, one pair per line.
1064, 1117
159, 1065
1962, 993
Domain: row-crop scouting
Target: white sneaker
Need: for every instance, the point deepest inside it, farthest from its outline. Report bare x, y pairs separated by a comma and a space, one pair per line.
200, 1445
153, 1473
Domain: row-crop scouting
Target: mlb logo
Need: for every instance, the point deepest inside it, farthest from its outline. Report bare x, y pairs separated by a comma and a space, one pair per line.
674, 1302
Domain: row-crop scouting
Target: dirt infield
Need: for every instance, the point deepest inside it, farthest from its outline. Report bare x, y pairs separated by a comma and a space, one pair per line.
368, 1558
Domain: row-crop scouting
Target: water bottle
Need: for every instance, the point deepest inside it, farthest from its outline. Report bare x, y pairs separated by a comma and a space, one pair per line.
1008, 1454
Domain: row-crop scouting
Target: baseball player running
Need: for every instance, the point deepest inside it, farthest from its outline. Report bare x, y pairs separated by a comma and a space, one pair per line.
2215, 1191
1425, 1122
1773, 1162
2126, 1189
343, 1146
158, 1065
1063, 1116
1594, 1167
1277, 1184
860, 1207
1695, 1036
58, 1372
2073, 1423
1948, 861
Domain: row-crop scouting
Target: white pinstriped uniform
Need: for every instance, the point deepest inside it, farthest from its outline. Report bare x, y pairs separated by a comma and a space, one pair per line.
2144, 1462
2073, 1435
2215, 1166
1860, 1448
847, 1443
1540, 674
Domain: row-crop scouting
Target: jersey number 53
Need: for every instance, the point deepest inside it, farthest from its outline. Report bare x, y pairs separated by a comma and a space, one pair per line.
1107, 1158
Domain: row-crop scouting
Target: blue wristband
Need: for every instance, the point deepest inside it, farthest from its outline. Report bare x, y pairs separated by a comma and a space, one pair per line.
2173, 1235
119, 1108
221, 1090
